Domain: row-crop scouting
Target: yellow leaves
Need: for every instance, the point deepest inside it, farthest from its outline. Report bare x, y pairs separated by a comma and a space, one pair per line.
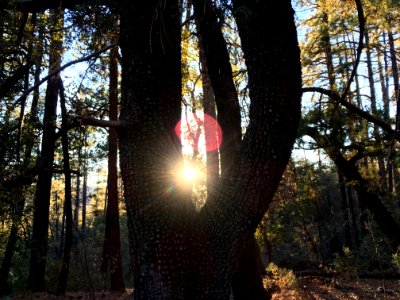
190, 64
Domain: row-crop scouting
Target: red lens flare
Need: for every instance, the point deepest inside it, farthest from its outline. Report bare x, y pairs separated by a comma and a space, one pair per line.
189, 130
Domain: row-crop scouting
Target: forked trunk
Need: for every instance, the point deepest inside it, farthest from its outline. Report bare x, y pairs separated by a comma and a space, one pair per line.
181, 254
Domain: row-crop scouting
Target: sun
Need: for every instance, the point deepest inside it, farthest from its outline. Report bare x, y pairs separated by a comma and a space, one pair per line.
189, 174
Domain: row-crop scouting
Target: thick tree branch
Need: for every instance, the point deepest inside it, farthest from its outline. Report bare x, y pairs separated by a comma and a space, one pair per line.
367, 196
354, 109
88, 120
63, 67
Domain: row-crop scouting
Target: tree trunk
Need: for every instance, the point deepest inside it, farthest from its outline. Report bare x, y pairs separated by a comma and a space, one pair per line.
247, 278
112, 243
326, 40
209, 107
384, 79
220, 72
345, 210
381, 163
367, 197
382, 216
77, 192
20, 203
180, 254
36, 281
395, 74
63, 278
12, 240
159, 210
84, 187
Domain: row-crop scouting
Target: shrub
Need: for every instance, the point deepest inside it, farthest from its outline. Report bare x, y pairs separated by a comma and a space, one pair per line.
279, 277
344, 265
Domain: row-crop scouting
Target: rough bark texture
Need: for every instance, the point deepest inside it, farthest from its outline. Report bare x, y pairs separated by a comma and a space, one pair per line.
112, 242
63, 278
180, 254
214, 53
45, 165
84, 189
158, 209
220, 72
209, 107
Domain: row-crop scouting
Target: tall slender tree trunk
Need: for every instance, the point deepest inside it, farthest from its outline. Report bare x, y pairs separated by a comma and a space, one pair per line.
26, 84
326, 40
78, 191
28, 132
395, 74
12, 240
209, 107
392, 165
220, 73
84, 187
36, 279
385, 80
345, 209
377, 136
62, 232
63, 278
112, 243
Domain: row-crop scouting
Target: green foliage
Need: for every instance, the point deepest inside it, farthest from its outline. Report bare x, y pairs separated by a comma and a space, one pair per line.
345, 265
396, 259
303, 218
279, 277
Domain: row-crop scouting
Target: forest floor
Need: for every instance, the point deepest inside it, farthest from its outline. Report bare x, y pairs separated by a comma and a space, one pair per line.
311, 287
319, 288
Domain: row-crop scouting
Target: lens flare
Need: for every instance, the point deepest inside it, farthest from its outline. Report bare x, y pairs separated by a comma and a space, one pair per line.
187, 131
189, 173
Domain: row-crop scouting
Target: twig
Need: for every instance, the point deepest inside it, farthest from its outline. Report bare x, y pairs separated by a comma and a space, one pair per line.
55, 72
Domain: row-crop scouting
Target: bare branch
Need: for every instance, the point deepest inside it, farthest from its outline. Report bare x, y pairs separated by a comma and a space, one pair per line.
88, 120
361, 21
63, 67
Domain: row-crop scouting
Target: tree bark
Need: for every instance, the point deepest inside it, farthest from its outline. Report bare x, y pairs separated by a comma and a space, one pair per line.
84, 187
18, 213
220, 72
112, 243
178, 254
12, 240
213, 50
209, 107
36, 281
159, 209
63, 278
